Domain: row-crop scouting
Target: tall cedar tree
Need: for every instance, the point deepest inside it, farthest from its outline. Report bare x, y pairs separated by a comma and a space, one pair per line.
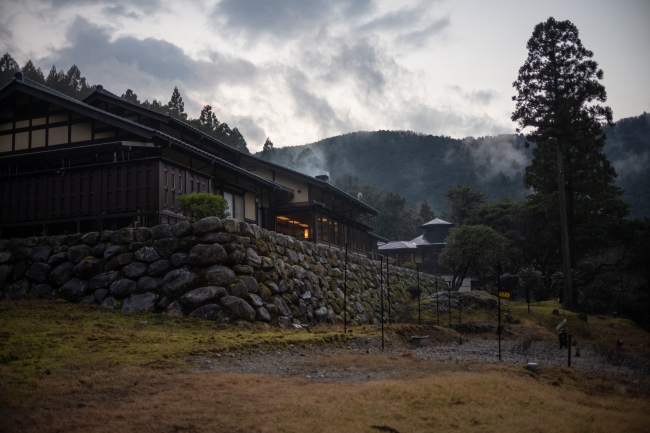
8, 67
557, 87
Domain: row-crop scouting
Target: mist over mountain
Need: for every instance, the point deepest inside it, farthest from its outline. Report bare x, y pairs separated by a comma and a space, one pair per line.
421, 167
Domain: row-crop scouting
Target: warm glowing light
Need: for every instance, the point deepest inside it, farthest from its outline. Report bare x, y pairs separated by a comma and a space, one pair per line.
306, 233
283, 218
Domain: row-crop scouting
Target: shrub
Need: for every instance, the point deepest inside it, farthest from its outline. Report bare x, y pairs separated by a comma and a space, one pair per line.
409, 265
203, 204
413, 291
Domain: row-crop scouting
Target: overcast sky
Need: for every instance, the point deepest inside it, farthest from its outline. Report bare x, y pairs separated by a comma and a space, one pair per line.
298, 71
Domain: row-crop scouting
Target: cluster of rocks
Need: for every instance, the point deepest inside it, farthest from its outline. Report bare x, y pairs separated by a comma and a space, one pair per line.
213, 269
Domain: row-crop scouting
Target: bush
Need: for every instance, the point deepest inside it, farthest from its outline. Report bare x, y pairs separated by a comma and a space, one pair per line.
409, 265
199, 205
412, 290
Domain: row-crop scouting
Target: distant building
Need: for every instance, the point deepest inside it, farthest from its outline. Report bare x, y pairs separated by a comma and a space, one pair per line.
107, 163
424, 250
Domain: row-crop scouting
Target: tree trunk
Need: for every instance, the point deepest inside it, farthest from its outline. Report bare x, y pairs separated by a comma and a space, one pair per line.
564, 230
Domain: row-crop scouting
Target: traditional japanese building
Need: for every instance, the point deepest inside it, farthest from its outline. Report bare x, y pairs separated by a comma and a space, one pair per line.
107, 163
424, 250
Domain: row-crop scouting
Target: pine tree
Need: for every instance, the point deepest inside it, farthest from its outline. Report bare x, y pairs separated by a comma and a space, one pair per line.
208, 120
267, 150
8, 67
176, 107
238, 142
426, 214
31, 72
130, 96
556, 90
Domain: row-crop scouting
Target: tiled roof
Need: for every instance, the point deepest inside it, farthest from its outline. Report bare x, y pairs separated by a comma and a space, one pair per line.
398, 245
152, 131
436, 222
103, 91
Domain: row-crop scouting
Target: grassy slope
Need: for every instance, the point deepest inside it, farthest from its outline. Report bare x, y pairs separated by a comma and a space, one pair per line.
68, 367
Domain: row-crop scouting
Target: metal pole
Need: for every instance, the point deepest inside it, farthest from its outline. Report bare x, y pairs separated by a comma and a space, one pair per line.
460, 334
449, 302
345, 292
568, 343
390, 319
438, 302
381, 290
417, 270
499, 303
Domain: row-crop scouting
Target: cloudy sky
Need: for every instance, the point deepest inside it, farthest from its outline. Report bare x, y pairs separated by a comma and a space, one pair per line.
302, 70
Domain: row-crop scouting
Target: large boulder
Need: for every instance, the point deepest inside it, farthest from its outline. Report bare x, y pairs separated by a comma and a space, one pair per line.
41, 254
166, 246
159, 268
118, 262
42, 291
6, 271
142, 234
207, 312
109, 303
74, 290
254, 300
321, 315
78, 253
103, 281
90, 238
178, 282
182, 229
16, 291
121, 237
5, 257
203, 255
19, 269
263, 315
161, 231
174, 309
57, 259
252, 259
38, 272
201, 296
88, 268
283, 310
146, 254
219, 275
134, 270
145, 302
61, 274
206, 225
217, 238
236, 308
148, 284
123, 288
244, 286
178, 259
230, 225
113, 251
100, 295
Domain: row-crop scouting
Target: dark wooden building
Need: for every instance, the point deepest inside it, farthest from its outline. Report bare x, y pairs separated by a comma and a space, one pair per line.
107, 163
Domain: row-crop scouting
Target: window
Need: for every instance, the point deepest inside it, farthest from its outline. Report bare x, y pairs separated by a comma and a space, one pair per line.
235, 205
295, 224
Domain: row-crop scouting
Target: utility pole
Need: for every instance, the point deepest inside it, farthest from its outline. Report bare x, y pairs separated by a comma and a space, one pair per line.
417, 270
381, 290
499, 303
345, 292
390, 319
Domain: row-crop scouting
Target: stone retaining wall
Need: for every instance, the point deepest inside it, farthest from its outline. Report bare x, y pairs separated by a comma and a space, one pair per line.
213, 269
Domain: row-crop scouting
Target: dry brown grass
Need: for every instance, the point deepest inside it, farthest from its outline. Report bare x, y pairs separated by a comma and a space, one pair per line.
137, 399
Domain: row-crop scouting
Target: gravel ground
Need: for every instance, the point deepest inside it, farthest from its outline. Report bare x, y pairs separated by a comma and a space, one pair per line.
331, 364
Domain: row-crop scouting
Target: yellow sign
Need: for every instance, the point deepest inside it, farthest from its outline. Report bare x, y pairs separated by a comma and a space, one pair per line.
504, 294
